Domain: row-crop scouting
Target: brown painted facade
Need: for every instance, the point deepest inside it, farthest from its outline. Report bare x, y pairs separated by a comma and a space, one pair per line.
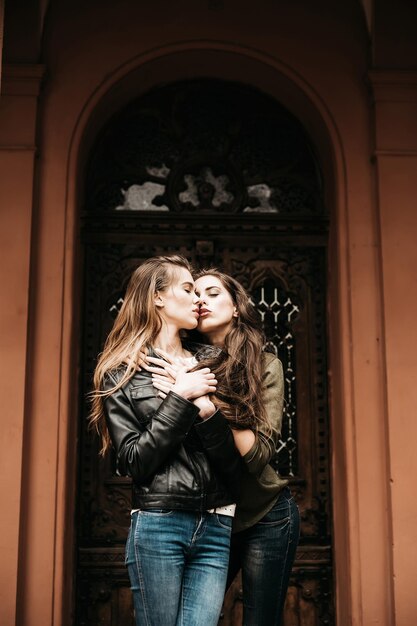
348, 72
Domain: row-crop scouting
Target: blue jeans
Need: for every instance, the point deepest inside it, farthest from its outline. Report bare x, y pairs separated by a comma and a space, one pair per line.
177, 563
266, 553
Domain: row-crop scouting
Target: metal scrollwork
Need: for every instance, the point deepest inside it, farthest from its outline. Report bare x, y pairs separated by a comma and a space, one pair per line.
204, 147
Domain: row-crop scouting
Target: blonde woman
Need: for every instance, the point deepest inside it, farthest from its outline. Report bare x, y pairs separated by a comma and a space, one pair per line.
250, 393
178, 450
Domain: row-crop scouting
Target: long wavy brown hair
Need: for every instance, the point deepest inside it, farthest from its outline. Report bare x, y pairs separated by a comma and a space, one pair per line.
239, 365
135, 328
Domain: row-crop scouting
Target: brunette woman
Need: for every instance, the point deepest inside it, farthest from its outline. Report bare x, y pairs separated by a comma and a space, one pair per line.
250, 393
177, 550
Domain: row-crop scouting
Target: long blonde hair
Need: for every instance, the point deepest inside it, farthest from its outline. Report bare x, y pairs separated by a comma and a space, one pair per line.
136, 327
239, 365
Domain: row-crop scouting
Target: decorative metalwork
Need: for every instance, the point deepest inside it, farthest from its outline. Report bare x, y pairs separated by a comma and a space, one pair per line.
278, 312
205, 146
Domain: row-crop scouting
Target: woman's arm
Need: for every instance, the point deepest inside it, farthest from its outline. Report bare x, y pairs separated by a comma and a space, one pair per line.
140, 454
258, 449
217, 440
244, 440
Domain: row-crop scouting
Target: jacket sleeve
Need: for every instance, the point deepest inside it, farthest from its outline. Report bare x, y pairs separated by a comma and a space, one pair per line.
218, 443
264, 447
141, 453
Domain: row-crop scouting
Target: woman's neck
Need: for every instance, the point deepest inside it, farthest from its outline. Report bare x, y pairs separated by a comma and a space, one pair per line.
216, 338
169, 341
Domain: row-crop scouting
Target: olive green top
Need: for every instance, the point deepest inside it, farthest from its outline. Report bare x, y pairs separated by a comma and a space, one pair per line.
261, 485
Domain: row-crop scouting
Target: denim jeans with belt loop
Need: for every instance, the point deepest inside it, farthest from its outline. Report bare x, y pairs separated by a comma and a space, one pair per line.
177, 563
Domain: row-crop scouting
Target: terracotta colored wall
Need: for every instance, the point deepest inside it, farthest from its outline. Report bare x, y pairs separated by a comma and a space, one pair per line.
1, 33
313, 57
18, 107
396, 154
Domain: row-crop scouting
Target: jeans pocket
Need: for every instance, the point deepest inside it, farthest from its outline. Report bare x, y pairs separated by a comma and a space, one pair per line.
279, 515
156, 512
128, 541
225, 521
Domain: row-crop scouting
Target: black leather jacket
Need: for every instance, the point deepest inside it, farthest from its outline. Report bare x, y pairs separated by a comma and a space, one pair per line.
176, 460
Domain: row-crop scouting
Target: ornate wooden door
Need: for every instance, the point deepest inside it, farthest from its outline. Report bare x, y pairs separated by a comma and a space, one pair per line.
223, 175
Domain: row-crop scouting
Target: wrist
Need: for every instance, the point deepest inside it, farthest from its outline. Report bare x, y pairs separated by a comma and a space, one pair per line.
181, 392
206, 413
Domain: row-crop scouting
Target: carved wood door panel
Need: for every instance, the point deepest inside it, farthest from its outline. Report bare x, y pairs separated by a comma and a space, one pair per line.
172, 175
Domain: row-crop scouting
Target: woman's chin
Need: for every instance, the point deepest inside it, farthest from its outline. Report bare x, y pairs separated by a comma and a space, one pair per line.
203, 326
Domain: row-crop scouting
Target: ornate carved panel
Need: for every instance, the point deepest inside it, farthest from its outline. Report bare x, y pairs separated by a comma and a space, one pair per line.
280, 257
204, 146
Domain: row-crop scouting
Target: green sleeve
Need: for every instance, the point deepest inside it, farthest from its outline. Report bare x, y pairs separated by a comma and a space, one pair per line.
273, 396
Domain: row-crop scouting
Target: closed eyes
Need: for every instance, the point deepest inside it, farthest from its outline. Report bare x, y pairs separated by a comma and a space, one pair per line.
209, 294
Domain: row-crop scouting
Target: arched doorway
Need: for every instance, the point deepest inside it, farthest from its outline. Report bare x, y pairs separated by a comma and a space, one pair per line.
224, 175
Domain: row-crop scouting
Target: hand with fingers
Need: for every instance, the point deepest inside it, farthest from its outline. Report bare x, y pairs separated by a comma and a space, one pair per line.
164, 384
164, 368
164, 377
139, 361
163, 373
191, 385
167, 377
